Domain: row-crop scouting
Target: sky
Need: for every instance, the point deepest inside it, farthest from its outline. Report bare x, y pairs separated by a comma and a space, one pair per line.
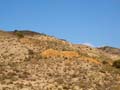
91, 22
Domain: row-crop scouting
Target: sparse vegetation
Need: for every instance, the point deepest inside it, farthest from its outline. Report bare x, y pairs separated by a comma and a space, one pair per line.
41, 62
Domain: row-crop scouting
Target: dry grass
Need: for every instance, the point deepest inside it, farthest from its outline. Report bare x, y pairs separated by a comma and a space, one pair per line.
51, 53
89, 59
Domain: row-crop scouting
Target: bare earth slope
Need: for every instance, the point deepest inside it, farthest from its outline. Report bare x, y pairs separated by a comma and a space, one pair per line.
36, 61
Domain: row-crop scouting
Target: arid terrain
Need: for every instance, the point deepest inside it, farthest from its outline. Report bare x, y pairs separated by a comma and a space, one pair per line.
36, 61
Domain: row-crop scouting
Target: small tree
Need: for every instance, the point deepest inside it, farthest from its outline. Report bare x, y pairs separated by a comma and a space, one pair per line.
15, 30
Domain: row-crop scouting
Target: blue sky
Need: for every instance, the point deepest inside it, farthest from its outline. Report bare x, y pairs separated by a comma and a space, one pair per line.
79, 21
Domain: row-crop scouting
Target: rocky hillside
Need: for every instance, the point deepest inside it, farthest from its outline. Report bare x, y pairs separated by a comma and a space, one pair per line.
110, 50
113, 52
36, 61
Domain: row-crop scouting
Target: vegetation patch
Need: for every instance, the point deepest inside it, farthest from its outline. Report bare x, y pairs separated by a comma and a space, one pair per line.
116, 64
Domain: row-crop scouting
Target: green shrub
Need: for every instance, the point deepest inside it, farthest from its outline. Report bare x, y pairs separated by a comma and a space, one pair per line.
104, 62
116, 63
18, 34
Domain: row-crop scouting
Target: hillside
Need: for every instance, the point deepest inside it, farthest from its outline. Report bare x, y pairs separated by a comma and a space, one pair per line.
36, 61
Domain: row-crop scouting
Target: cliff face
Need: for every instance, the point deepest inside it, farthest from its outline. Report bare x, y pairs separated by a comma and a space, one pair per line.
36, 61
